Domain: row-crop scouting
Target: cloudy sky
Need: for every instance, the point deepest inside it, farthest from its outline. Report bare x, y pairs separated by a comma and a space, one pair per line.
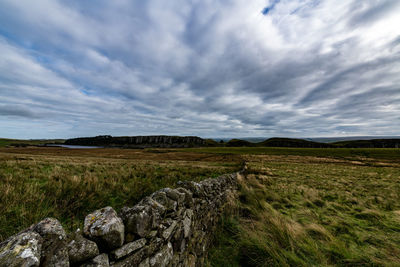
226, 68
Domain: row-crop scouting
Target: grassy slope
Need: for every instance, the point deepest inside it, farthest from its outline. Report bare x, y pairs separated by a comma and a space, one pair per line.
68, 183
6, 142
315, 211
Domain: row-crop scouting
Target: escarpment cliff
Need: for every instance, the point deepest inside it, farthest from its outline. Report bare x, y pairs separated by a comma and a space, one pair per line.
138, 141
171, 227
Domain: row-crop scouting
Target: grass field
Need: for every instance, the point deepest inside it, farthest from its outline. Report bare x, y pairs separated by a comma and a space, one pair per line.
7, 142
296, 207
69, 183
314, 211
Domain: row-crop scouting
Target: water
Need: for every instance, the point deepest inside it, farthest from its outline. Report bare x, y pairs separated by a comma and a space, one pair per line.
73, 146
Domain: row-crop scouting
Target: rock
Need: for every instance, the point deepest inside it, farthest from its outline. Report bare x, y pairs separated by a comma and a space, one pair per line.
188, 200
138, 220
105, 228
174, 194
163, 257
190, 261
132, 260
186, 226
143, 217
145, 263
81, 249
99, 261
178, 240
21, 250
128, 249
168, 232
161, 197
54, 248
196, 188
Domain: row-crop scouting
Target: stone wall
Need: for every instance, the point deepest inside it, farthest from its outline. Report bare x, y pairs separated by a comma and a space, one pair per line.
171, 227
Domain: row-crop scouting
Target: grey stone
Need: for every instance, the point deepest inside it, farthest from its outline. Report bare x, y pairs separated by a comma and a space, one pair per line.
54, 248
188, 201
162, 198
21, 250
81, 249
133, 259
145, 263
128, 249
105, 228
137, 220
174, 194
99, 261
187, 226
168, 232
163, 257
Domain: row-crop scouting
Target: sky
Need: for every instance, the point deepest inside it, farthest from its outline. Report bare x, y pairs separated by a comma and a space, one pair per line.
227, 68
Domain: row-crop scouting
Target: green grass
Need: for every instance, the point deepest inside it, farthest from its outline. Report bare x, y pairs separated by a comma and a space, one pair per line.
50, 182
296, 206
391, 154
313, 211
7, 142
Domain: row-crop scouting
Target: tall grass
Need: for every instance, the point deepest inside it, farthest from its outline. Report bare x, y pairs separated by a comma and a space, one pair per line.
299, 211
67, 187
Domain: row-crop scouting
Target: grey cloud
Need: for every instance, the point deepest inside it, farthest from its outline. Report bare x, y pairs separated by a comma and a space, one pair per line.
204, 68
6, 110
371, 11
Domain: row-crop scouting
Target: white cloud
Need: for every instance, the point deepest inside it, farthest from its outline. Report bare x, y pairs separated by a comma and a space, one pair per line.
199, 67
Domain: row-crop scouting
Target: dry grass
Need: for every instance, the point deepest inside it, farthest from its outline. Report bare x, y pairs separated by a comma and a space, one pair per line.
68, 183
305, 211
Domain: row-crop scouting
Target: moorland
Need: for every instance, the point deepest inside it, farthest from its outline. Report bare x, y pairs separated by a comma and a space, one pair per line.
296, 206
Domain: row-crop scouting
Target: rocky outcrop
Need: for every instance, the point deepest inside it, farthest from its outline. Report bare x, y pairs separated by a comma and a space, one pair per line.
171, 227
138, 141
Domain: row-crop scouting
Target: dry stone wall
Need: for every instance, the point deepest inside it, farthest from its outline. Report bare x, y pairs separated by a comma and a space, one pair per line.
171, 227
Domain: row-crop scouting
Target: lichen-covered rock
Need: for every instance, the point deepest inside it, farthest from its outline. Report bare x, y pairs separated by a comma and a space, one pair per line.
128, 249
132, 260
166, 234
143, 218
163, 257
105, 228
21, 250
54, 248
195, 188
162, 198
99, 261
81, 249
138, 220
188, 200
175, 194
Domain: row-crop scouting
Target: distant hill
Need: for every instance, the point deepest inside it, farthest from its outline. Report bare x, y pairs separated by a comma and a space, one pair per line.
301, 143
30, 142
139, 141
239, 143
375, 143
291, 142
348, 138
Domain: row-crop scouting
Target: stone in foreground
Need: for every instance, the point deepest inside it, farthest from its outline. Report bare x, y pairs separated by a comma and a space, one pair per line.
105, 228
99, 261
81, 249
128, 248
21, 250
54, 248
163, 257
